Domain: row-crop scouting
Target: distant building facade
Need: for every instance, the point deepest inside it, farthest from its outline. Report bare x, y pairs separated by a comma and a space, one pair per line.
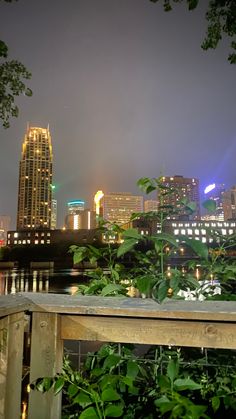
150, 205
117, 207
229, 204
41, 237
54, 214
215, 192
35, 180
85, 219
182, 187
5, 222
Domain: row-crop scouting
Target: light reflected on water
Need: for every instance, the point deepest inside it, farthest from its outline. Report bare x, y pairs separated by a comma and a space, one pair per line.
40, 280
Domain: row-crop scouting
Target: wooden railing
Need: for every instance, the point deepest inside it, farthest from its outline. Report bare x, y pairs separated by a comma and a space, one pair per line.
56, 317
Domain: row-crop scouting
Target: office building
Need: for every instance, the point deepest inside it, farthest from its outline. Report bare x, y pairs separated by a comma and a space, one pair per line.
150, 205
229, 204
178, 188
35, 180
85, 219
75, 206
54, 214
215, 192
117, 207
74, 210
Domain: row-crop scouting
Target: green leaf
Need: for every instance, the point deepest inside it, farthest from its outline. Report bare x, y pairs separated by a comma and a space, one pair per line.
111, 289
174, 282
126, 247
144, 284
191, 206
132, 369
132, 233
165, 237
186, 384
215, 401
58, 386
192, 4
82, 399
161, 291
89, 413
72, 390
172, 369
114, 411
47, 383
111, 361
110, 395
197, 246
210, 205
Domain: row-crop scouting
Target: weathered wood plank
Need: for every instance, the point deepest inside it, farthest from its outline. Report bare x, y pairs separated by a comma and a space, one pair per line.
46, 361
132, 307
11, 362
13, 303
149, 331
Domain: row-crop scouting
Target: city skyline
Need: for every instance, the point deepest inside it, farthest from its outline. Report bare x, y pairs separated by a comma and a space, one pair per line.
127, 92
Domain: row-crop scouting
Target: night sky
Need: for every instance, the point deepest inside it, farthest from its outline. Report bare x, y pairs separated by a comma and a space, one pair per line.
127, 92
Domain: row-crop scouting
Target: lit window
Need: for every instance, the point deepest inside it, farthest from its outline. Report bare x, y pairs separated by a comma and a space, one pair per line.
16, 235
49, 234
8, 235
190, 231
224, 231
176, 231
48, 241
183, 231
36, 242
28, 241
231, 231
203, 231
42, 241
204, 240
196, 231
15, 241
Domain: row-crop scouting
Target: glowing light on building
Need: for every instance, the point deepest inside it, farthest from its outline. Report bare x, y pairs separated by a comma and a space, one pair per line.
97, 198
209, 188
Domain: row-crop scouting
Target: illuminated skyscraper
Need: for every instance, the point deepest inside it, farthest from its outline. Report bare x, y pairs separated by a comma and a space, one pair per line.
215, 192
117, 207
35, 180
182, 188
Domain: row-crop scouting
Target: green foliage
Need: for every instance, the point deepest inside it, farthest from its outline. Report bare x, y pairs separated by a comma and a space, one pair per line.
164, 383
220, 17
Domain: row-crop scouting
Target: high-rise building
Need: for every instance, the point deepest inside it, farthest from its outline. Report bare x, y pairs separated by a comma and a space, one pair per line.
182, 187
117, 207
229, 204
54, 214
35, 180
74, 209
215, 192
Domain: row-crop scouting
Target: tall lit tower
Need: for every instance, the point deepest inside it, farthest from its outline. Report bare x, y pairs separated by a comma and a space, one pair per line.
35, 180
182, 188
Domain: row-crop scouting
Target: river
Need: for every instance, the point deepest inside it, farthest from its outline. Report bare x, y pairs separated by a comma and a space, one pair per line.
40, 280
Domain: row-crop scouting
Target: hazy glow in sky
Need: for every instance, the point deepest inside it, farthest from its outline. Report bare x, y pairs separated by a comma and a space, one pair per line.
127, 92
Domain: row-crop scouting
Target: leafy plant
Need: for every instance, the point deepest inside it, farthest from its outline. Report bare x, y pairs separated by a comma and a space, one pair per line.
164, 383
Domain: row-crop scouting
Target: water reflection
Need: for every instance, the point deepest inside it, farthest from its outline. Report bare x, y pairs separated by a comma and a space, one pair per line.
40, 280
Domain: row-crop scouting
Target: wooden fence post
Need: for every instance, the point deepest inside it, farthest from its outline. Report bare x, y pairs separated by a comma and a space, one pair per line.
11, 364
46, 360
